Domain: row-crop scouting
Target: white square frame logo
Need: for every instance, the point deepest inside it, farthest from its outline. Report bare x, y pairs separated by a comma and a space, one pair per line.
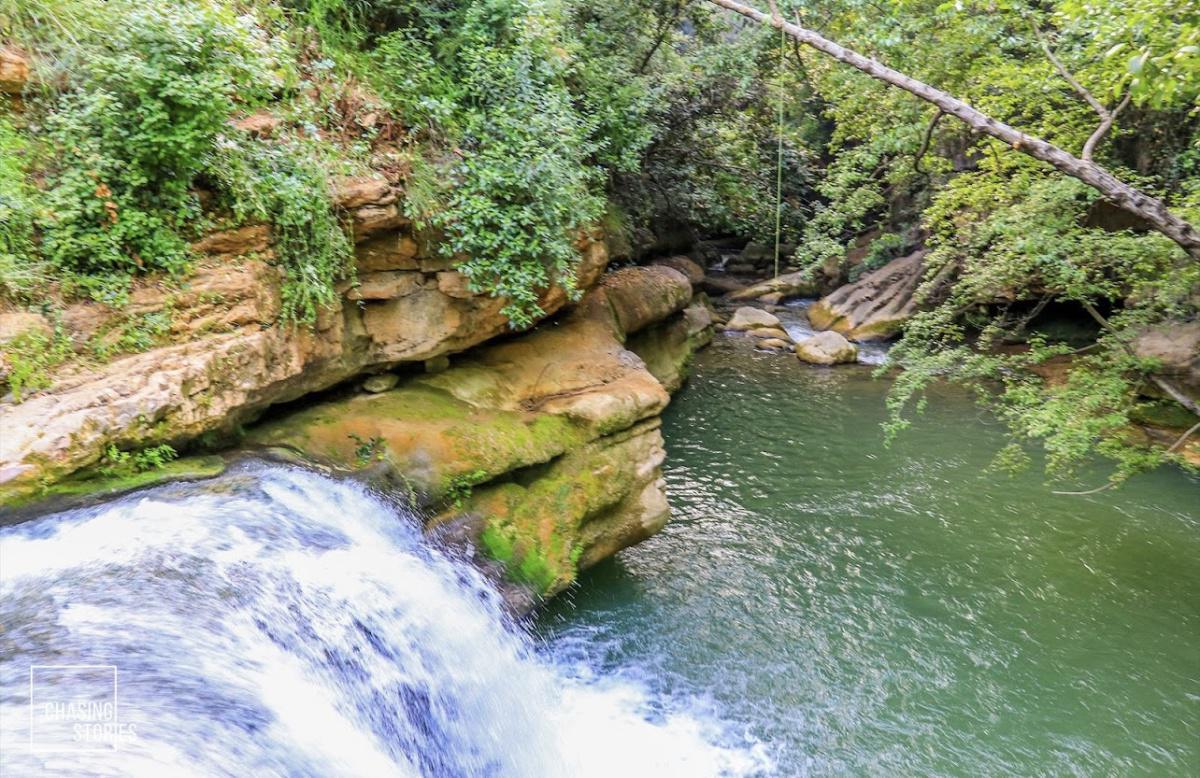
59, 748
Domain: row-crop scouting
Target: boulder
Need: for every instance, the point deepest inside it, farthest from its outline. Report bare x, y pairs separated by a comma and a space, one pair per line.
250, 239
634, 297
686, 265
387, 285
394, 251
14, 71
722, 285
874, 307
747, 318
14, 323
351, 192
567, 398
1177, 350
826, 348
371, 220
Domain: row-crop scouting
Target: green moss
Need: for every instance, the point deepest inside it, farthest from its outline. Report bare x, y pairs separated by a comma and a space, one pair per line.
99, 482
525, 561
1163, 413
442, 443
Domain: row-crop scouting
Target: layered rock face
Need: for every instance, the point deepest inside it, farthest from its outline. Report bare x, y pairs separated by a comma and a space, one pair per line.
227, 359
876, 306
545, 449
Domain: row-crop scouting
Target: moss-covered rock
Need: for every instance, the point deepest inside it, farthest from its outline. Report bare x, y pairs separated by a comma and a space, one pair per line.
545, 447
546, 523
435, 439
94, 485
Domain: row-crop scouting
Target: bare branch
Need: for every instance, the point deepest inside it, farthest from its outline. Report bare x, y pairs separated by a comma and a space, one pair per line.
937, 117
1105, 125
1173, 391
1079, 88
1097, 490
1175, 446
1107, 117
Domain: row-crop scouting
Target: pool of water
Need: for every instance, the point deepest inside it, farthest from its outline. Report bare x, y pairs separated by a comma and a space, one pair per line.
902, 610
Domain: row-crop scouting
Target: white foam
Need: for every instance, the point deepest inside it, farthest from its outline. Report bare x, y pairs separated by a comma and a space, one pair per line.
282, 623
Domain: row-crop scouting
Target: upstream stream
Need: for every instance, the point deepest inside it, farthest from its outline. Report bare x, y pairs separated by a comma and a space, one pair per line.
819, 605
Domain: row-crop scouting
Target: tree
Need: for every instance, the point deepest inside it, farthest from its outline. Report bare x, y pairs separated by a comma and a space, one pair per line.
1152, 210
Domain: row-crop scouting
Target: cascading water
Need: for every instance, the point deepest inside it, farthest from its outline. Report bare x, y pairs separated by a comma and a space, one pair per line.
276, 622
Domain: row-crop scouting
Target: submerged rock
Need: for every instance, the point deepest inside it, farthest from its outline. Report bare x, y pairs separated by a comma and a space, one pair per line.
874, 307
826, 348
747, 318
774, 344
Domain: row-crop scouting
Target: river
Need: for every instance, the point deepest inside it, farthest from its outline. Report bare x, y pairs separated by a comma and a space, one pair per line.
819, 605
899, 611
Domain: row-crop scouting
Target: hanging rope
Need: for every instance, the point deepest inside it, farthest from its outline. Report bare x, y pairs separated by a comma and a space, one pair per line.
779, 154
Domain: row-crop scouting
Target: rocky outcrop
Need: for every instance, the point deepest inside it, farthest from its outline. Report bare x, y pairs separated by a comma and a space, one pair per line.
223, 358
1176, 349
14, 71
546, 447
798, 284
826, 348
876, 306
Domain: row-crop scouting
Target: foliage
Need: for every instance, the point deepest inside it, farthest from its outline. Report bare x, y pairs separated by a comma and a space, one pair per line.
282, 184
30, 356
369, 449
140, 125
18, 277
126, 463
133, 132
1007, 236
459, 487
490, 79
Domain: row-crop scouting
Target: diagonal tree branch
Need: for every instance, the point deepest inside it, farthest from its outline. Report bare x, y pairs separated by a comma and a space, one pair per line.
1148, 208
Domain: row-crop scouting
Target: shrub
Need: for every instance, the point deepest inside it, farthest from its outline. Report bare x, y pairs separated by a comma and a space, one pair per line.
132, 132
285, 185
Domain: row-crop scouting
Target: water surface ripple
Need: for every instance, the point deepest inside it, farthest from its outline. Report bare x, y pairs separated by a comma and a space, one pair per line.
900, 611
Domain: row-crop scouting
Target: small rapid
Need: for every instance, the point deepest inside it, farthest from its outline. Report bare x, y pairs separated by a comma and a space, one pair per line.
277, 622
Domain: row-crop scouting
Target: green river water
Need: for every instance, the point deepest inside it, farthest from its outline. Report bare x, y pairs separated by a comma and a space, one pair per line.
899, 611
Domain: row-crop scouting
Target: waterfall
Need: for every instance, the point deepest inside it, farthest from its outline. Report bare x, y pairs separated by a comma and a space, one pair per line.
277, 622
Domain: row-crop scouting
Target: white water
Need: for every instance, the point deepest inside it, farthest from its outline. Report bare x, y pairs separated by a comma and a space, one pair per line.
275, 622
794, 317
